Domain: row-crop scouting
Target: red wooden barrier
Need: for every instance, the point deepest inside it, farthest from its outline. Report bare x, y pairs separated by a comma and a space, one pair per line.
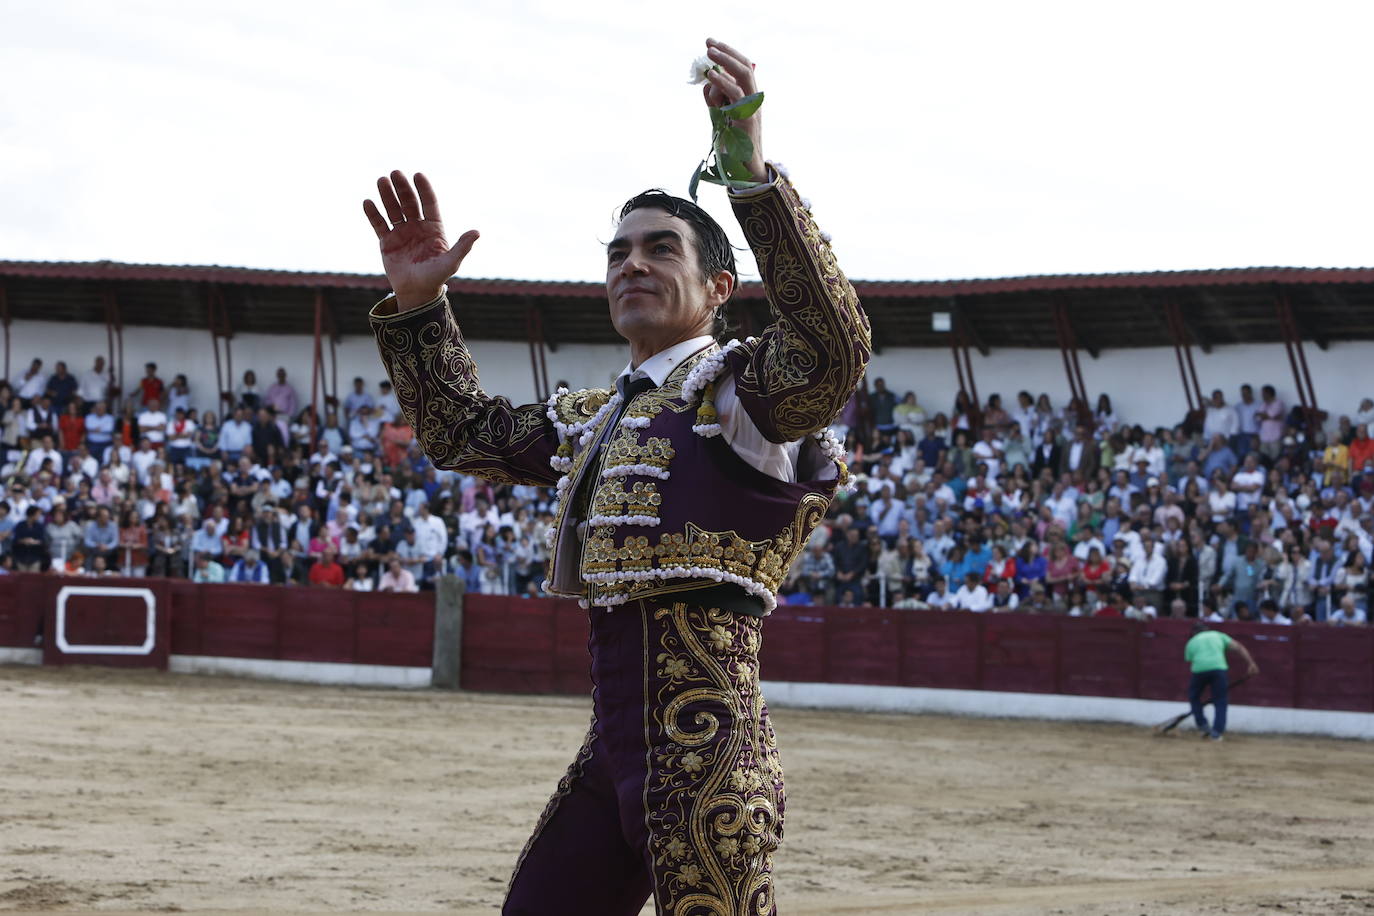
512, 644
239, 621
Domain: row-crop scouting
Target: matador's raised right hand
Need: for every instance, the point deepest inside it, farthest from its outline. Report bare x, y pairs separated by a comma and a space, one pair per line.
415, 255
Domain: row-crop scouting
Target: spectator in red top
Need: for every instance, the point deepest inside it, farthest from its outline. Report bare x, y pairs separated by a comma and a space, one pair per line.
150, 386
1361, 448
326, 572
71, 427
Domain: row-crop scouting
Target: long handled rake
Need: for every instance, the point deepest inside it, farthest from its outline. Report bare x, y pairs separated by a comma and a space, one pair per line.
1168, 725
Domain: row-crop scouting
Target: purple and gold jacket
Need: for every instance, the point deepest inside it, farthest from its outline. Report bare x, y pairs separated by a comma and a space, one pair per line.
667, 504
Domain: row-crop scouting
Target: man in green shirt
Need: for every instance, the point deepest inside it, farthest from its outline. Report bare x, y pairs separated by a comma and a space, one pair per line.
1206, 653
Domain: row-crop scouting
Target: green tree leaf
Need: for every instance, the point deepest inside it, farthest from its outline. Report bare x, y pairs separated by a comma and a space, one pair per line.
696, 179
744, 108
719, 119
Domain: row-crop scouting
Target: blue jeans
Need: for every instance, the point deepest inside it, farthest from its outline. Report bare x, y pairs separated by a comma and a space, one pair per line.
1216, 680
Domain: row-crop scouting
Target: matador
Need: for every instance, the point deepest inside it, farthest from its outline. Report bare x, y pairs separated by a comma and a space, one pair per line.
684, 494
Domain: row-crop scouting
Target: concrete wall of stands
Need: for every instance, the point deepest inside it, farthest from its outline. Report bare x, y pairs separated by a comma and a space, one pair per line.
1144, 383
1314, 678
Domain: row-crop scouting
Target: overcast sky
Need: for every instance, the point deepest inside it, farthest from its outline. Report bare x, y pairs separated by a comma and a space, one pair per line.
936, 140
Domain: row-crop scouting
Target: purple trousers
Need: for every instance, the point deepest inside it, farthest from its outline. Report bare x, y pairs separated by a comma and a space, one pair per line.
677, 791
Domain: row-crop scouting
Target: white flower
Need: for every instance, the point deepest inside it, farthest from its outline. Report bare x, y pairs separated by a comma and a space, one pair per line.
700, 67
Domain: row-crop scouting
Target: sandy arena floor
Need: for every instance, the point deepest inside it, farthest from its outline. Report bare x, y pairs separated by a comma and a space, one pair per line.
123, 792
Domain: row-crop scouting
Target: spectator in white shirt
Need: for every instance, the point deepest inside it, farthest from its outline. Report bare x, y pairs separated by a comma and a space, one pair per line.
1151, 453
178, 395
363, 430
1221, 420
143, 460
1347, 614
45, 452
972, 595
1248, 483
1270, 613
32, 383
94, 385
431, 534
989, 450
152, 425
940, 598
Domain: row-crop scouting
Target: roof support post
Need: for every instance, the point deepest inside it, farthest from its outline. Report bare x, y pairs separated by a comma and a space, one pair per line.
1179, 331
221, 330
534, 333
1068, 350
316, 369
1297, 359
114, 337
960, 341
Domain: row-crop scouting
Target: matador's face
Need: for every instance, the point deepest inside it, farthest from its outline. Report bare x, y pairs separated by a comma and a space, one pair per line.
658, 296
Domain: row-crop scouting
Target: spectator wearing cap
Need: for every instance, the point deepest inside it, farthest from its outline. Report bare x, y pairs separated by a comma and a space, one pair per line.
281, 396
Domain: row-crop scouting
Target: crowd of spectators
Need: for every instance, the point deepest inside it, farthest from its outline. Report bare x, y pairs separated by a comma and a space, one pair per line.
144, 482
1243, 510
1246, 510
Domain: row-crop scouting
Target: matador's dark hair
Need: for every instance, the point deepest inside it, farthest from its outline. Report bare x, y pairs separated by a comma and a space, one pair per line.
713, 245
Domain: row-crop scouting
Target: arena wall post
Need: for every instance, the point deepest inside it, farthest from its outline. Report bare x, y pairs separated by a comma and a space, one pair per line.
448, 632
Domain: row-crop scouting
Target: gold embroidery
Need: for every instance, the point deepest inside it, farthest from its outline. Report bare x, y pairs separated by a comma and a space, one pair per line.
655, 451
612, 498
714, 796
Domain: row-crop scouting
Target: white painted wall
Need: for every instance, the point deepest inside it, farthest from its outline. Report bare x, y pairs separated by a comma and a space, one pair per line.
1144, 383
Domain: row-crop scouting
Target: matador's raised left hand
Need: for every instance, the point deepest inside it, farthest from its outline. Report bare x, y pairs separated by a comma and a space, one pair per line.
732, 82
